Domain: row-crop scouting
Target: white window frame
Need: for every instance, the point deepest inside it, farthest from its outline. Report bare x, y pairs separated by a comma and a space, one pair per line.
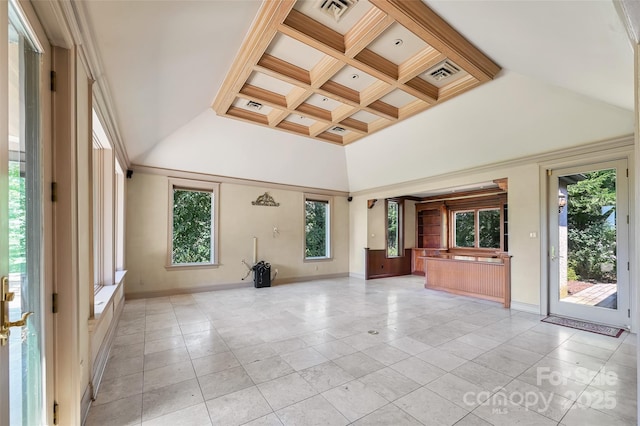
195, 185
400, 230
329, 230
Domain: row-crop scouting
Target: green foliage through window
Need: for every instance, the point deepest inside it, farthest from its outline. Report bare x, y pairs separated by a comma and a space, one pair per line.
465, 223
316, 229
393, 228
17, 220
192, 227
489, 222
591, 231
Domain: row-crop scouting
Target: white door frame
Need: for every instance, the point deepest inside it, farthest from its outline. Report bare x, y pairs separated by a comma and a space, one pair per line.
37, 33
615, 149
617, 317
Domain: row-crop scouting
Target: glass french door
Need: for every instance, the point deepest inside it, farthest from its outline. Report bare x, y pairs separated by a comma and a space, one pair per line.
21, 325
589, 240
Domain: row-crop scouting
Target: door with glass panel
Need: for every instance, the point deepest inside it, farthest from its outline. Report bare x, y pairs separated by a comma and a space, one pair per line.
589, 240
21, 224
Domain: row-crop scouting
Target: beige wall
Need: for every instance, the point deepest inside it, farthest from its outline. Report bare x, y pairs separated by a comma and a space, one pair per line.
524, 217
527, 191
376, 228
147, 229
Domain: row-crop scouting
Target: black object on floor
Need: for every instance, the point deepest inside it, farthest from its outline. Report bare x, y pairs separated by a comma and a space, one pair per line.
262, 274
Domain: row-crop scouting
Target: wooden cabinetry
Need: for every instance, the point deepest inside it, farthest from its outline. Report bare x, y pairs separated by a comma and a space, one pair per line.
478, 276
431, 225
431, 234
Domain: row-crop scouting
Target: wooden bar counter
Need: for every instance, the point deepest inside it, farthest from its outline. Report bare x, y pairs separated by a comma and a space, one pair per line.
487, 277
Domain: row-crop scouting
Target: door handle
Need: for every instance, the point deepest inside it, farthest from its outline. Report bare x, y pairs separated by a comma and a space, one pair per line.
7, 296
553, 253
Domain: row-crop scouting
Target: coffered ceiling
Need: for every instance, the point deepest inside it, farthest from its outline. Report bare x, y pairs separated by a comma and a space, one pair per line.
339, 70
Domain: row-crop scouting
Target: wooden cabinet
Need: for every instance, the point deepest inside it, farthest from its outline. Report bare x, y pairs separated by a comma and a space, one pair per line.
417, 258
431, 234
431, 225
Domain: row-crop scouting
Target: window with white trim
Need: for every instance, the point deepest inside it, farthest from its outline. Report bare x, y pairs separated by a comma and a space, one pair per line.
317, 227
477, 228
193, 214
394, 215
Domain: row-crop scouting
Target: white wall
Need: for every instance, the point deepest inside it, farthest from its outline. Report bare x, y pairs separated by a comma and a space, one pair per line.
526, 195
226, 147
147, 228
511, 117
523, 219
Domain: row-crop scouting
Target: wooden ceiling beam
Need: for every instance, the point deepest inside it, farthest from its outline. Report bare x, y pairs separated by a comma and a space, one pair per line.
324, 70
248, 115
264, 28
285, 68
418, 64
352, 122
429, 26
276, 116
252, 92
370, 26
315, 30
385, 108
294, 127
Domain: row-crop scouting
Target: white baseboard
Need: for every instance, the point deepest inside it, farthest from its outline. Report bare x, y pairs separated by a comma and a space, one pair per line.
356, 275
279, 281
227, 286
525, 307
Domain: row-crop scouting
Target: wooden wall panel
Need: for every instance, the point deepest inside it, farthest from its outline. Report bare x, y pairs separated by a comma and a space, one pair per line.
378, 265
487, 280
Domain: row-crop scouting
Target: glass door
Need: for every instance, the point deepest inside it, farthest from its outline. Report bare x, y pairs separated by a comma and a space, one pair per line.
21, 331
588, 247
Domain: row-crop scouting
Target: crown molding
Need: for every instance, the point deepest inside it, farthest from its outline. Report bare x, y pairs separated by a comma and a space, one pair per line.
67, 25
137, 168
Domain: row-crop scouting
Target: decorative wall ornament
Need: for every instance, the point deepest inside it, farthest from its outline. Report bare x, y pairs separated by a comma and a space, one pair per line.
265, 200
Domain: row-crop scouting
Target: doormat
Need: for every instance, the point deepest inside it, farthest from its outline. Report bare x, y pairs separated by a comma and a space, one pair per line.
585, 326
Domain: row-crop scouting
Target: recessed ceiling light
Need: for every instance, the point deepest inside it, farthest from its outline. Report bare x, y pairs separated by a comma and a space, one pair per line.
398, 42
355, 76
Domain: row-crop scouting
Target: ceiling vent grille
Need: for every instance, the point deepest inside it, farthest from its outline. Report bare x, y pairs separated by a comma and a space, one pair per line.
254, 105
336, 8
339, 129
443, 70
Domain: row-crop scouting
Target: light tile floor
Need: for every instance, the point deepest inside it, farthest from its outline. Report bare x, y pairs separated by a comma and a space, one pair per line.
301, 354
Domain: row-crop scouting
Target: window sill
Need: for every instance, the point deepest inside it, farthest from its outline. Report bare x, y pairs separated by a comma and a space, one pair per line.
103, 297
317, 259
191, 266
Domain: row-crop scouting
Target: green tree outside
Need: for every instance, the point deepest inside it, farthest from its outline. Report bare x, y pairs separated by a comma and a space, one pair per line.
191, 227
591, 233
392, 228
316, 215
17, 220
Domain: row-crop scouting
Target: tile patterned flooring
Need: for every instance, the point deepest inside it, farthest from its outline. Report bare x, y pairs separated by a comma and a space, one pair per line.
302, 354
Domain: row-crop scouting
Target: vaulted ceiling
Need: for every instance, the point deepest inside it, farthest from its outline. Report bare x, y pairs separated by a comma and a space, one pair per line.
567, 79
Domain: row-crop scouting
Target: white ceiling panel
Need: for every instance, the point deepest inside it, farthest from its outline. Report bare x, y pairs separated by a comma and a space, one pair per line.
361, 81
397, 44
294, 52
365, 117
398, 98
323, 102
270, 83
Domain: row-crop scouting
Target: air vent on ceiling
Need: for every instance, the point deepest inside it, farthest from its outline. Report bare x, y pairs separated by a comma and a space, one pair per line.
254, 105
443, 71
335, 8
339, 129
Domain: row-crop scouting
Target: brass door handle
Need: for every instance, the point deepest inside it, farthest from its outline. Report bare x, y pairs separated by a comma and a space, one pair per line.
7, 296
20, 323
